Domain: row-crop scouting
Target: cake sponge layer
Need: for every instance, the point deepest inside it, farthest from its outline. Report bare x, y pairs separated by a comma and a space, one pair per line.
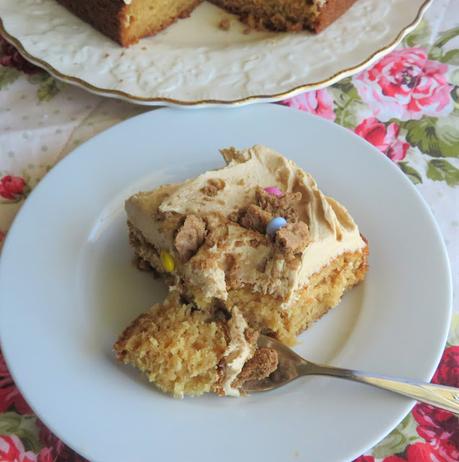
323, 292
147, 17
176, 346
128, 23
186, 351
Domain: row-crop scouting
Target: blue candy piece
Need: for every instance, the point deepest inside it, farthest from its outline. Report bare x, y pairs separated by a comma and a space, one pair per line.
275, 225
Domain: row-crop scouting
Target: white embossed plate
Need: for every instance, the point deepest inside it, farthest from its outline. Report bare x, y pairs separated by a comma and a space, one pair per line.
194, 63
68, 287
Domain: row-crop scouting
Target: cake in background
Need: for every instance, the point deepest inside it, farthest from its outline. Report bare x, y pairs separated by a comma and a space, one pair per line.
287, 15
127, 21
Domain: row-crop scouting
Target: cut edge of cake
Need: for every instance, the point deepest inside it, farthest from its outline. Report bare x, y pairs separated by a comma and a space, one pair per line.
119, 19
186, 351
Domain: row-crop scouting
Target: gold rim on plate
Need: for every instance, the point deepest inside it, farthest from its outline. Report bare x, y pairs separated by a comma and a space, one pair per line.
215, 102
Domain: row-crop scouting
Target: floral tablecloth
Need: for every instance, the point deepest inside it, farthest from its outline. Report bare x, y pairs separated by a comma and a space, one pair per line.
407, 105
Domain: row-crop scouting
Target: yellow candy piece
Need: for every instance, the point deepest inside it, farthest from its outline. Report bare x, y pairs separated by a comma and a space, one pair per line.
167, 260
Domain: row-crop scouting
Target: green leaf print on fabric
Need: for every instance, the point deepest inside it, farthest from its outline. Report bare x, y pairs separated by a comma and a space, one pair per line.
411, 172
435, 137
347, 103
436, 52
7, 76
398, 439
446, 36
420, 37
23, 426
451, 57
48, 87
442, 170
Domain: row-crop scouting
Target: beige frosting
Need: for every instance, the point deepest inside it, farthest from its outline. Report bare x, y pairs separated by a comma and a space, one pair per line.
332, 230
238, 352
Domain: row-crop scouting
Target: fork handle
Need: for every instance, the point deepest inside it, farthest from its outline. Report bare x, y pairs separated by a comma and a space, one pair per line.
437, 395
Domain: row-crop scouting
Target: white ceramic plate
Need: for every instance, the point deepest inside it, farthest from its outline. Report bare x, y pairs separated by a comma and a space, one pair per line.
68, 288
195, 63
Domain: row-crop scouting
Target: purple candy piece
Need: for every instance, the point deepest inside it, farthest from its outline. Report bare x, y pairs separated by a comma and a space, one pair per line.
274, 191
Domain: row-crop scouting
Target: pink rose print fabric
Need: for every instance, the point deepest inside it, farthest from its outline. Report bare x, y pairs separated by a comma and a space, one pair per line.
384, 137
56, 448
440, 428
10, 398
406, 85
12, 187
417, 452
9, 57
12, 450
400, 105
319, 102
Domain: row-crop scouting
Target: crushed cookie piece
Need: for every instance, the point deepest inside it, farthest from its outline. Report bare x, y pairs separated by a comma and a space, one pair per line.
190, 237
284, 206
216, 234
142, 264
293, 238
233, 216
224, 24
213, 187
254, 243
263, 363
232, 271
254, 217
251, 335
233, 154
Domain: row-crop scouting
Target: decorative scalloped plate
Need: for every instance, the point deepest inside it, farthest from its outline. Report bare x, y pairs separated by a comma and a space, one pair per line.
195, 63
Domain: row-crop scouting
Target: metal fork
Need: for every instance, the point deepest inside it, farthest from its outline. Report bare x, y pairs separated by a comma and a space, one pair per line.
291, 366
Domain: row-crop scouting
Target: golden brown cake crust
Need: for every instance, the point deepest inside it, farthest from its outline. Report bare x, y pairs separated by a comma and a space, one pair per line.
330, 12
107, 17
290, 17
104, 15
